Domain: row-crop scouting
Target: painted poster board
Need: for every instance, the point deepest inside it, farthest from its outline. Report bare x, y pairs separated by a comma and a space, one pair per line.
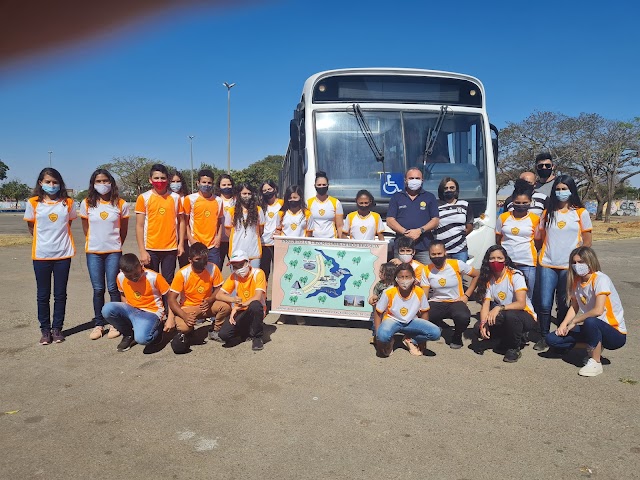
330, 278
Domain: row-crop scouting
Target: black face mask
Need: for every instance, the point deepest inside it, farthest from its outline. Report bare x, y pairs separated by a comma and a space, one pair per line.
438, 261
448, 195
268, 195
294, 203
226, 191
199, 264
544, 173
521, 208
322, 190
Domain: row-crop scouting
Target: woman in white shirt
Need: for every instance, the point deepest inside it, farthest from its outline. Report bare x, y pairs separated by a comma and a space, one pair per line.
271, 206
244, 223
326, 211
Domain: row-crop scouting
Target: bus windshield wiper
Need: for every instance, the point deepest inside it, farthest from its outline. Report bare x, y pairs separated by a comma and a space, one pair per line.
434, 132
367, 133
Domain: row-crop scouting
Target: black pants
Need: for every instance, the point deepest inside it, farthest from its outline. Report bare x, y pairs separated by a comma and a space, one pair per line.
164, 262
510, 326
456, 311
183, 259
224, 252
248, 323
266, 260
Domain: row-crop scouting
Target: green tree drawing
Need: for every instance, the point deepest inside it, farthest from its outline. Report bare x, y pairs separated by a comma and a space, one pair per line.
293, 299
364, 276
356, 260
342, 253
293, 263
307, 254
357, 283
288, 277
304, 280
297, 250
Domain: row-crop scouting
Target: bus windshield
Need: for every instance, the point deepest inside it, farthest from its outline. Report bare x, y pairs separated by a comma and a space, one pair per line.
458, 151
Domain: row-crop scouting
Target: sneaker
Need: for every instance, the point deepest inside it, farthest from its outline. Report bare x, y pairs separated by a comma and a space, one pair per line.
180, 344
541, 345
456, 342
57, 335
46, 337
158, 339
257, 344
96, 333
113, 332
413, 348
591, 369
125, 344
512, 355
372, 341
280, 321
215, 336
585, 360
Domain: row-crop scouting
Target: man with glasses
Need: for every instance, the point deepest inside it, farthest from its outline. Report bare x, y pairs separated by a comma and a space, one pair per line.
546, 173
413, 213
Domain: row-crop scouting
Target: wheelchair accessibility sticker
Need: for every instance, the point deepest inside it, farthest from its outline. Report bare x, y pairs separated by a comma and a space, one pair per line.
391, 183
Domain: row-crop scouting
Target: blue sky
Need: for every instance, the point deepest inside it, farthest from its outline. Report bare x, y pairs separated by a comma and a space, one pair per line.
145, 89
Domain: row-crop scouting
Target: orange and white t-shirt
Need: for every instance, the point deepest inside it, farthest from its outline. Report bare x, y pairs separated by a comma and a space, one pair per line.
323, 216
503, 291
246, 287
226, 203
194, 287
145, 294
601, 284
392, 305
271, 221
103, 235
52, 238
562, 236
417, 268
161, 219
517, 237
243, 237
204, 215
363, 228
445, 283
294, 224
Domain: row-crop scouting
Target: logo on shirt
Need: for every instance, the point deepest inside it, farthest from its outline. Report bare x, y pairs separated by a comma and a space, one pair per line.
104, 215
423, 205
442, 282
162, 211
271, 214
321, 212
207, 214
294, 226
246, 294
562, 224
403, 311
515, 230
53, 217
363, 229
226, 209
583, 299
137, 294
502, 295
200, 289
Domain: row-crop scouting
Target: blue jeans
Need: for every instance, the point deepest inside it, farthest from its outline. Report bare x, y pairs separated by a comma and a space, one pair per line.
101, 265
592, 331
143, 326
214, 256
463, 256
418, 330
529, 273
44, 269
553, 281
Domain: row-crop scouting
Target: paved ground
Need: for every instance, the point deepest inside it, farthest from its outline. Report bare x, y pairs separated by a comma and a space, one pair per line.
316, 403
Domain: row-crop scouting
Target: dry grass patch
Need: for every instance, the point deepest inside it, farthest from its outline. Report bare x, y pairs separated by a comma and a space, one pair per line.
615, 230
14, 240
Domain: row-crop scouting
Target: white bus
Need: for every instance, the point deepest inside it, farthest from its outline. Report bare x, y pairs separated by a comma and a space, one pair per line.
365, 126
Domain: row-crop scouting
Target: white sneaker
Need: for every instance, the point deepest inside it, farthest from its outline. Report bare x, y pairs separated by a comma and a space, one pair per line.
591, 369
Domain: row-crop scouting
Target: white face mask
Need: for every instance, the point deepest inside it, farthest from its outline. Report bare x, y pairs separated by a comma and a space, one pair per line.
581, 269
404, 283
175, 186
102, 188
414, 184
405, 257
242, 272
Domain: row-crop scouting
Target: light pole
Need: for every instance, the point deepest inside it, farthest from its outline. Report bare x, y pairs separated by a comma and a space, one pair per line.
229, 87
191, 137
50, 152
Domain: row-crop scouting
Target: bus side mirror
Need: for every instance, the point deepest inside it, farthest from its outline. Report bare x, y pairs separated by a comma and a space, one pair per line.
294, 134
494, 142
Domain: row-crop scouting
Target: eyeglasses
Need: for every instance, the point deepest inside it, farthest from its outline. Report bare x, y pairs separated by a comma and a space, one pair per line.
545, 166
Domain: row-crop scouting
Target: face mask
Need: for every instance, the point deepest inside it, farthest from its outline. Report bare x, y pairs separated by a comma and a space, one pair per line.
322, 190
521, 208
563, 195
438, 261
544, 173
206, 188
294, 203
404, 284
581, 269
268, 195
102, 188
50, 189
175, 186
448, 195
199, 264
245, 200
226, 191
242, 272
405, 257
414, 184
160, 185
366, 209
496, 267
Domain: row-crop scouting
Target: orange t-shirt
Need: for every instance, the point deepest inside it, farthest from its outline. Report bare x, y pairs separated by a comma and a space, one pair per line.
194, 287
204, 216
161, 219
245, 288
145, 294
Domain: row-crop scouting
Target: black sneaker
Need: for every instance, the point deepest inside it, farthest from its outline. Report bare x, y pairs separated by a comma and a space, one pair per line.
158, 339
512, 355
45, 339
257, 344
57, 336
541, 345
180, 344
456, 342
126, 343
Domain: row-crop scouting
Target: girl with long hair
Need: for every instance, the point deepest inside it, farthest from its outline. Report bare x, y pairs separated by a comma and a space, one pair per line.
226, 197
271, 206
244, 223
294, 216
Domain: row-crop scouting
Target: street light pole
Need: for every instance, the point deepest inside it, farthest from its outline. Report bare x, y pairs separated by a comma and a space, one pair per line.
191, 137
229, 87
50, 152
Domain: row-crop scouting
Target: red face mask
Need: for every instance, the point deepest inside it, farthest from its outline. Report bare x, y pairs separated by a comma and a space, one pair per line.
496, 267
160, 185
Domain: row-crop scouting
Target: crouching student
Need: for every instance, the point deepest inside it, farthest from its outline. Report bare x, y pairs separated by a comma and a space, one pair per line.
245, 290
506, 311
197, 284
139, 317
406, 253
595, 315
403, 308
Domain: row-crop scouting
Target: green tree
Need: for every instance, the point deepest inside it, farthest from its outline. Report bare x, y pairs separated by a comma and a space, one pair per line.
81, 195
266, 169
15, 190
132, 174
3, 170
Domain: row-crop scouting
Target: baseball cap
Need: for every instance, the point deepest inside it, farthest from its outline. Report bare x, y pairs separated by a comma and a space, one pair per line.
238, 256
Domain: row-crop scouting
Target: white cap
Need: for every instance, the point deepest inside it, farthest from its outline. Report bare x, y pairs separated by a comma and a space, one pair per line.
238, 256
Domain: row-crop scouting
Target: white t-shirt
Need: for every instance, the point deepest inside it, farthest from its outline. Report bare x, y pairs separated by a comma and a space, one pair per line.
392, 305
363, 228
52, 239
503, 291
271, 219
243, 237
601, 284
104, 220
562, 236
323, 215
517, 237
445, 284
294, 224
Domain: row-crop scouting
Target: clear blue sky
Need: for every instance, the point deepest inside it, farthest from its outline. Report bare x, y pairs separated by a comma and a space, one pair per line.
144, 92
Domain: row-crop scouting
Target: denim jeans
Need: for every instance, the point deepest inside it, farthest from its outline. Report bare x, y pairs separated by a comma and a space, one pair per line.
143, 326
101, 265
592, 331
463, 256
552, 281
418, 330
529, 273
164, 262
44, 269
214, 256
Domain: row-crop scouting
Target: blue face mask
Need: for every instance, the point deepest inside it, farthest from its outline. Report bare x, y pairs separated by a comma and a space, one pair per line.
563, 195
206, 188
50, 189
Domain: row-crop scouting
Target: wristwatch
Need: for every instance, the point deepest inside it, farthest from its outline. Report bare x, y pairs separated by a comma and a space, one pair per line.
502, 308
422, 230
